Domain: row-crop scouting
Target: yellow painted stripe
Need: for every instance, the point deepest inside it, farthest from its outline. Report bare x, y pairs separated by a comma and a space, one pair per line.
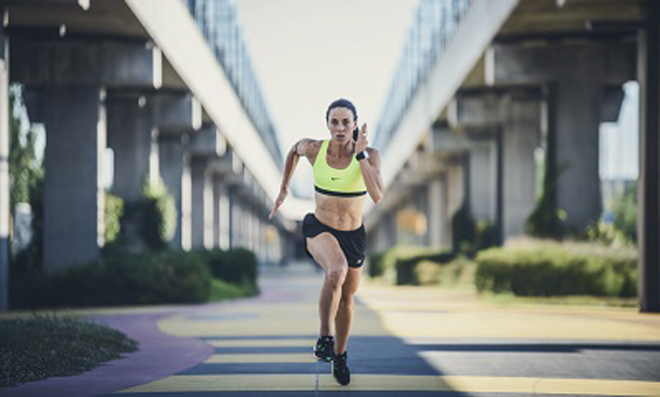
465, 384
262, 343
261, 358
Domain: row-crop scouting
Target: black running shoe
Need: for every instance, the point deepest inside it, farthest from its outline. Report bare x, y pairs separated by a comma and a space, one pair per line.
340, 369
325, 348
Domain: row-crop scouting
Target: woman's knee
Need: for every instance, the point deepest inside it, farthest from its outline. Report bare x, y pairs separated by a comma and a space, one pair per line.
337, 274
346, 300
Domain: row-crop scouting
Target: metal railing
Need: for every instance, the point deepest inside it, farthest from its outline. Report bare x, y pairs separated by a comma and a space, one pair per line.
218, 22
434, 25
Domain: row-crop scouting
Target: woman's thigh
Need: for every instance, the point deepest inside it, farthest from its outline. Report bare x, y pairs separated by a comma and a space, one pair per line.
326, 251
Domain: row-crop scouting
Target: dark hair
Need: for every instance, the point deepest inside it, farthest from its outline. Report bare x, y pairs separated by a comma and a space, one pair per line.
344, 103
341, 103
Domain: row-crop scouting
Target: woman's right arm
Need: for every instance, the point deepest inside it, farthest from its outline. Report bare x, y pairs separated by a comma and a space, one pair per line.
304, 147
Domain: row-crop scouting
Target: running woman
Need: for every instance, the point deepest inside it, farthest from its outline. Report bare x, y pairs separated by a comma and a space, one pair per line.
345, 170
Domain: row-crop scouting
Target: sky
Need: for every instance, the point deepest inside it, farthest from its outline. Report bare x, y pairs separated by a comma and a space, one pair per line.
307, 53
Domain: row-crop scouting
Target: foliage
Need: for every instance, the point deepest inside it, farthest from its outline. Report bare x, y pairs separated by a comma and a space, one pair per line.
161, 214
31, 258
384, 264
420, 269
553, 269
546, 219
464, 231
625, 212
25, 169
487, 235
120, 279
237, 266
114, 209
42, 347
607, 234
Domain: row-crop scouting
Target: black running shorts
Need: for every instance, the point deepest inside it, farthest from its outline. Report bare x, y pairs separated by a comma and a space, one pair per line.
352, 242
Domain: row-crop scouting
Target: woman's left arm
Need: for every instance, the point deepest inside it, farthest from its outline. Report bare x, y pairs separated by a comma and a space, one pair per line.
371, 173
370, 167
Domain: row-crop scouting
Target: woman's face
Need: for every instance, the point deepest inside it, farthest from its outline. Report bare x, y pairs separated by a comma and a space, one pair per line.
341, 124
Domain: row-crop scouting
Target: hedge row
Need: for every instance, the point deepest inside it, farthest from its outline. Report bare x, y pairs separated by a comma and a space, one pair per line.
553, 269
399, 265
127, 279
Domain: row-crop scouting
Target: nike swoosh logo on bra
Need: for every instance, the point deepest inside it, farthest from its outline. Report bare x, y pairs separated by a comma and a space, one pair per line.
333, 178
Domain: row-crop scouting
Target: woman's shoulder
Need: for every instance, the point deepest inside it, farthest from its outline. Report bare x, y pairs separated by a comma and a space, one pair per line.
309, 147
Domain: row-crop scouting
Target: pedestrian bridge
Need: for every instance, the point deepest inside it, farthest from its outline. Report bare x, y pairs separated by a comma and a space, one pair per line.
168, 85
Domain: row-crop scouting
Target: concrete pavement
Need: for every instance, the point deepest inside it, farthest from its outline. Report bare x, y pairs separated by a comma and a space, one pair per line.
405, 341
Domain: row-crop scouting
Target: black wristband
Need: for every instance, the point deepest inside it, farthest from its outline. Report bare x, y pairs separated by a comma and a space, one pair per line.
361, 155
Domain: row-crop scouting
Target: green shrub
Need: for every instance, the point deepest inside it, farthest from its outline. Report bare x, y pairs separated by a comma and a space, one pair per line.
167, 277
457, 272
552, 269
607, 234
114, 209
148, 223
487, 235
464, 231
237, 266
546, 220
384, 264
625, 212
408, 271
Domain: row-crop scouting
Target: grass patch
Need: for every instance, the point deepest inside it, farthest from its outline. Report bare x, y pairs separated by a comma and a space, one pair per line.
41, 347
511, 299
222, 290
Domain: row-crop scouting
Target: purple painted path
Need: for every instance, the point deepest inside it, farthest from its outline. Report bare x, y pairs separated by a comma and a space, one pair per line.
159, 354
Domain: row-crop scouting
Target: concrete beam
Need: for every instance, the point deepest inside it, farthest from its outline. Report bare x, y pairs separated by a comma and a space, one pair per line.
611, 63
612, 100
84, 4
475, 112
444, 139
105, 63
176, 111
208, 141
229, 164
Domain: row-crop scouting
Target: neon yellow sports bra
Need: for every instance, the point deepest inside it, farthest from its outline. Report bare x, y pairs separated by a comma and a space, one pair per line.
345, 182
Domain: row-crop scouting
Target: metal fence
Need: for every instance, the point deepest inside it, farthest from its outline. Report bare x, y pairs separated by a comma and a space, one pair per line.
434, 25
219, 25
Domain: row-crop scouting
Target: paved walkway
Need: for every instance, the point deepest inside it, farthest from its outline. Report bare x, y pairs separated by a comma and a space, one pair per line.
405, 342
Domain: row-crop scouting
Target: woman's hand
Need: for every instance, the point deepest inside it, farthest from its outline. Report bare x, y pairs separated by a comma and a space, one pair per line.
362, 142
278, 202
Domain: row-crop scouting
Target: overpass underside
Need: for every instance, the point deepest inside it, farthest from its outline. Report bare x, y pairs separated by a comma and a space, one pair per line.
137, 77
517, 79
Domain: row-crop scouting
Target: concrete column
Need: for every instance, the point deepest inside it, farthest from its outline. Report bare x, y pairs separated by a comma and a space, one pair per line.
575, 116
455, 194
220, 214
73, 191
648, 218
201, 204
521, 136
234, 218
175, 171
4, 168
483, 179
437, 217
134, 140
